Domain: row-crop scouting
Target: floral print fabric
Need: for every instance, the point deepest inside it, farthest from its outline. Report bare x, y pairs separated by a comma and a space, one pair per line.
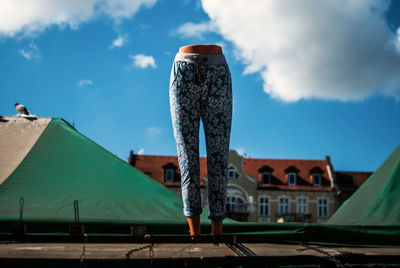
201, 90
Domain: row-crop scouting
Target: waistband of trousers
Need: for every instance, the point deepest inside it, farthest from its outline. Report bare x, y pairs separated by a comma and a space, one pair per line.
201, 58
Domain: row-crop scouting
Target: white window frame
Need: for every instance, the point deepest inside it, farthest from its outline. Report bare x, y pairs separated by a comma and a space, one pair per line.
313, 180
263, 206
295, 178
322, 208
231, 202
241, 205
302, 205
169, 175
284, 205
234, 171
268, 174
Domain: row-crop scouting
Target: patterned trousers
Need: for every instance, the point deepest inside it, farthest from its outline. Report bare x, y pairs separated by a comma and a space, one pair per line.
201, 87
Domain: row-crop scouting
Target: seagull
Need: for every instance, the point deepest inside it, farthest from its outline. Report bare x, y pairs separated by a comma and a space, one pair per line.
21, 109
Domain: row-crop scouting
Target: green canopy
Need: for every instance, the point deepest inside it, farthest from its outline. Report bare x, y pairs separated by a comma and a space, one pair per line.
64, 166
377, 201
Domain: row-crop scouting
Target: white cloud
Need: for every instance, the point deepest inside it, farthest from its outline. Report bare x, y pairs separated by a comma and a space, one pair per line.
240, 151
85, 82
141, 151
221, 44
120, 41
29, 17
31, 52
143, 61
340, 50
153, 131
190, 29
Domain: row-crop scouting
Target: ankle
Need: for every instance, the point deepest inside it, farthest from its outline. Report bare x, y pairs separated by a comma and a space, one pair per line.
216, 228
194, 225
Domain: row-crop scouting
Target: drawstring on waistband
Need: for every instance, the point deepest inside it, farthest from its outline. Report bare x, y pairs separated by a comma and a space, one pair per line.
198, 75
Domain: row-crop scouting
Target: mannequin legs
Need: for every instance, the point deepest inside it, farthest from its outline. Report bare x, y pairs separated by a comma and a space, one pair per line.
202, 91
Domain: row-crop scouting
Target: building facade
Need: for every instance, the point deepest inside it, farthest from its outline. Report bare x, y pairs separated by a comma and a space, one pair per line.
263, 190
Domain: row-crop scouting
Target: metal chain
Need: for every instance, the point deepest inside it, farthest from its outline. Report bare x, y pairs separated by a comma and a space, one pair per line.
83, 254
151, 253
320, 250
150, 247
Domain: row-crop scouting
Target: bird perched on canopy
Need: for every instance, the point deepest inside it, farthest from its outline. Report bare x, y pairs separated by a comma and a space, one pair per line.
21, 109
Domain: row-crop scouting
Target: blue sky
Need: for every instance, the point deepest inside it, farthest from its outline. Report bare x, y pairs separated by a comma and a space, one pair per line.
308, 81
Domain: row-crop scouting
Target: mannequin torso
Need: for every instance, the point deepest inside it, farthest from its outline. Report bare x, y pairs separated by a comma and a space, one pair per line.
201, 49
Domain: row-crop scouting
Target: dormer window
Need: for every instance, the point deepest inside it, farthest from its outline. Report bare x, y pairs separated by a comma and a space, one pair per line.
265, 173
291, 178
232, 173
316, 178
169, 175
266, 178
291, 173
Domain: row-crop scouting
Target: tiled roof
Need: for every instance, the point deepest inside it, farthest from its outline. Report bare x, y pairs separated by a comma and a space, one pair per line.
279, 174
351, 179
153, 166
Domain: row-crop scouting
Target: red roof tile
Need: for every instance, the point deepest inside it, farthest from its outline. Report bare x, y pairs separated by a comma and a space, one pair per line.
153, 166
279, 173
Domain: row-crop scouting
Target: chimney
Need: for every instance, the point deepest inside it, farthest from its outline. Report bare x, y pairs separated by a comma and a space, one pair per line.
328, 159
331, 171
332, 176
132, 158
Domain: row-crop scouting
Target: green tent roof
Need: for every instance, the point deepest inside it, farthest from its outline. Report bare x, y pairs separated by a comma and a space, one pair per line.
377, 201
64, 166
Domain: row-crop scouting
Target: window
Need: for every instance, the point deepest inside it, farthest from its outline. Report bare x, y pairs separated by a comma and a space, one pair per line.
266, 174
291, 178
235, 204
230, 204
266, 178
322, 208
291, 175
240, 205
264, 206
316, 177
284, 206
169, 175
302, 205
232, 173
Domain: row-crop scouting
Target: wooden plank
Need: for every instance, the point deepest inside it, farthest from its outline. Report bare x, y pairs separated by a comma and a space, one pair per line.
175, 251
112, 251
298, 250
